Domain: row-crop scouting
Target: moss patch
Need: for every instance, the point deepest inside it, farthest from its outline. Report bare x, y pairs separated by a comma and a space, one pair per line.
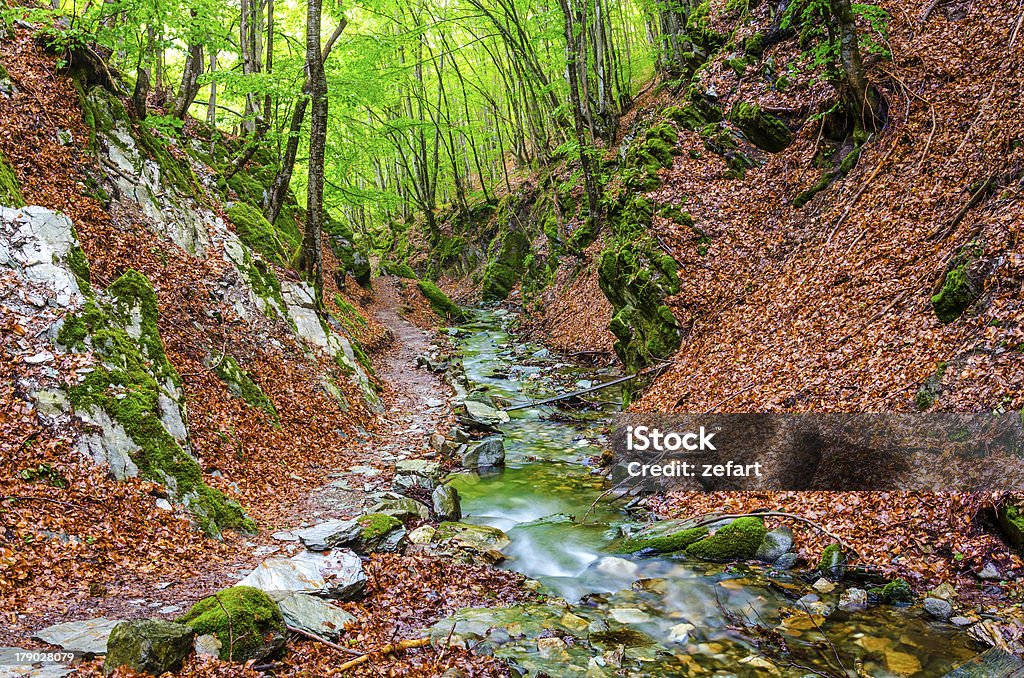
129, 385
958, 292
440, 302
10, 191
242, 386
764, 130
896, 592
669, 542
736, 541
258, 234
377, 526
506, 264
245, 620
401, 269
1011, 521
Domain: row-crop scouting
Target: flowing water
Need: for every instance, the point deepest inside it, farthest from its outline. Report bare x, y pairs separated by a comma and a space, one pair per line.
547, 486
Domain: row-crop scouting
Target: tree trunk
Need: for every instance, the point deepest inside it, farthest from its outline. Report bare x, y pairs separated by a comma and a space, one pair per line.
141, 92
268, 103
189, 81
211, 109
866, 103
577, 112
310, 259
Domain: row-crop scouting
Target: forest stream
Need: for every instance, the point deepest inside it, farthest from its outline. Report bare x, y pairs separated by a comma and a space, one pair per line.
548, 485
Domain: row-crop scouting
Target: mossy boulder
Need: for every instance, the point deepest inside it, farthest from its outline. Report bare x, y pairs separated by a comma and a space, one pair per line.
439, 301
739, 540
380, 532
930, 390
244, 619
1011, 522
762, 129
258, 234
666, 536
896, 592
832, 563
506, 264
10, 191
959, 291
149, 646
401, 269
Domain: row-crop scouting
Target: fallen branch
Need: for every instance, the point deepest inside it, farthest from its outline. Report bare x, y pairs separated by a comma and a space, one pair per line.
776, 514
574, 394
387, 649
320, 639
979, 195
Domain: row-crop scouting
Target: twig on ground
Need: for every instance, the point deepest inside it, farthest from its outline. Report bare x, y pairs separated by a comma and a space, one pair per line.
387, 649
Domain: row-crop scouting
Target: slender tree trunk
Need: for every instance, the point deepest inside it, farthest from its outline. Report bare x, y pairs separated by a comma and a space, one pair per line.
577, 112
189, 81
268, 103
211, 108
310, 260
865, 99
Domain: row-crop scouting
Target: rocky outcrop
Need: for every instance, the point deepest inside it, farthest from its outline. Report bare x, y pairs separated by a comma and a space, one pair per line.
248, 624
338, 575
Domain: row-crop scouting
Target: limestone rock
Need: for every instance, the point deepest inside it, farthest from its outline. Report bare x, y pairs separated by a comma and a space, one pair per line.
338, 574
312, 614
326, 535
776, 543
478, 539
87, 637
417, 473
485, 453
938, 608
853, 599
36, 243
446, 503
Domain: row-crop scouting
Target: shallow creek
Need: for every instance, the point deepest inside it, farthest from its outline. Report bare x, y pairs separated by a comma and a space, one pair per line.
548, 478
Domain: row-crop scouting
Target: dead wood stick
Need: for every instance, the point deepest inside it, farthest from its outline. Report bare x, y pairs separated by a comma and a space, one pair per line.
574, 394
928, 11
320, 639
778, 514
978, 196
387, 649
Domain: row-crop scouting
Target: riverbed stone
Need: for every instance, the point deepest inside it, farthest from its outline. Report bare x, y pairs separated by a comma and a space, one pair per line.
485, 453
938, 608
338, 574
481, 540
88, 636
422, 535
403, 508
776, 544
739, 540
148, 645
853, 599
664, 536
410, 473
481, 413
312, 614
446, 503
329, 534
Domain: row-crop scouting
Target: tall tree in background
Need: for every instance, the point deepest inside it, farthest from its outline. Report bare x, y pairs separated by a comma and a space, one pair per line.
573, 75
866, 103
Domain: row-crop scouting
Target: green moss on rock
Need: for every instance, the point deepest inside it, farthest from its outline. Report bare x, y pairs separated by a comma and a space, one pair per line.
738, 540
1011, 522
440, 302
662, 540
896, 592
376, 526
245, 620
505, 266
242, 386
129, 385
258, 234
10, 191
958, 292
763, 129
401, 269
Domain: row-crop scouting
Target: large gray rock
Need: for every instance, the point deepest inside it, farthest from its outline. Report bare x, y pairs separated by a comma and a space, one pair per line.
938, 608
488, 452
87, 637
312, 614
338, 575
776, 543
411, 473
480, 540
853, 599
482, 413
35, 242
403, 508
148, 645
326, 536
446, 503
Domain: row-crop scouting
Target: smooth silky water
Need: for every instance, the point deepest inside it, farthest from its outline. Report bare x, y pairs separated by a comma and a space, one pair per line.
548, 485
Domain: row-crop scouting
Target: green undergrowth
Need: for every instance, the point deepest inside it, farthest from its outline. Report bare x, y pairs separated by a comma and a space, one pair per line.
10, 191
259, 235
